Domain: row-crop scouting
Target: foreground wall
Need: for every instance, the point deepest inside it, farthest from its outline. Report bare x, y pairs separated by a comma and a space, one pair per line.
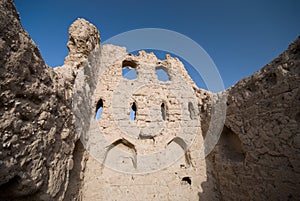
257, 157
36, 129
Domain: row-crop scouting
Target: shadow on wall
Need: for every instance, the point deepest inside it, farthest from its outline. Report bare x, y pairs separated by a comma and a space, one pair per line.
228, 150
262, 111
73, 190
230, 146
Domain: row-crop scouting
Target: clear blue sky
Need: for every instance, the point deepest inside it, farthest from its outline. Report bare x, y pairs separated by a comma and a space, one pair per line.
240, 36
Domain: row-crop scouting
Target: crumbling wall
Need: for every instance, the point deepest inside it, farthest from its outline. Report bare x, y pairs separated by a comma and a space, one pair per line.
257, 157
81, 71
111, 175
37, 132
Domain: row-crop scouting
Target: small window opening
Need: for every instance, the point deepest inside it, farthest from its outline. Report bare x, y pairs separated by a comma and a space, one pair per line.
186, 180
128, 69
133, 112
163, 111
99, 108
162, 74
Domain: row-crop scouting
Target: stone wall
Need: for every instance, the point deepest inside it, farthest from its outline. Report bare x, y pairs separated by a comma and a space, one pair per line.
36, 129
81, 71
152, 163
257, 157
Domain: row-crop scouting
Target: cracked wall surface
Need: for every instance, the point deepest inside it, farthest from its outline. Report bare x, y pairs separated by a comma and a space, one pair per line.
257, 157
44, 112
37, 132
181, 178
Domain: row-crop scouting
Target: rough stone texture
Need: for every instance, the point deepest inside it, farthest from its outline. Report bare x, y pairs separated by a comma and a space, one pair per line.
257, 157
83, 63
37, 133
84, 51
37, 125
148, 93
44, 112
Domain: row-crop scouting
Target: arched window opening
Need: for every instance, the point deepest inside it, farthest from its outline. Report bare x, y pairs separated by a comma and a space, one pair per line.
99, 108
133, 110
162, 74
163, 111
128, 69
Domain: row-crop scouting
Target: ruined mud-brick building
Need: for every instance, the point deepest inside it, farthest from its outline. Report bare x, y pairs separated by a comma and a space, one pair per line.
158, 154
